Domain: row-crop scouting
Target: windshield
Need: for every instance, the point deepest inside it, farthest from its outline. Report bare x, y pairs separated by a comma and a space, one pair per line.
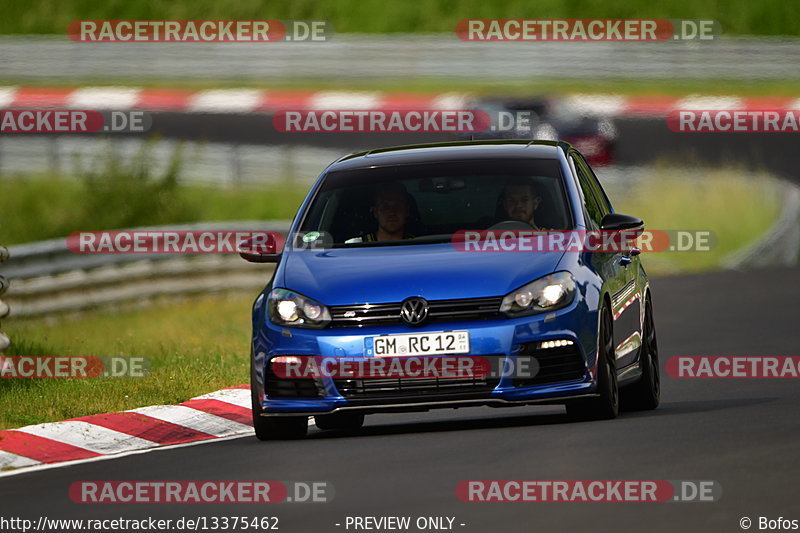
426, 203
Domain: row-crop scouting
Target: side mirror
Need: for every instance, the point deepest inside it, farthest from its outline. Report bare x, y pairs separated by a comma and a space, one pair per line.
624, 230
619, 222
263, 248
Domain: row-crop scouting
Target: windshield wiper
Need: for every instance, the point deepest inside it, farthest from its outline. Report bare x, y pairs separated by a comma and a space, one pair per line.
425, 239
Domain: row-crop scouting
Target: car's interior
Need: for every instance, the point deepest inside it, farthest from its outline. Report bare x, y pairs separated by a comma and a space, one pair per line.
437, 206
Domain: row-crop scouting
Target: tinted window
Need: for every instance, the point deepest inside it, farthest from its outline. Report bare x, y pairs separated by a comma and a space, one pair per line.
436, 200
589, 199
599, 192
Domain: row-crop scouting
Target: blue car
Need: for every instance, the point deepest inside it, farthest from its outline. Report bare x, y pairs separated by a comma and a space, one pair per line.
395, 255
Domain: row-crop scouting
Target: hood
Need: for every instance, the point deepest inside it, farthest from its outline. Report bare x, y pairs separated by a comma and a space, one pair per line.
393, 273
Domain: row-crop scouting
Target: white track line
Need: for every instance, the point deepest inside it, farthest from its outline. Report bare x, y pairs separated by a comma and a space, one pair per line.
703, 103
194, 419
113, 444
34, 467
48, 466
240, 397
12, 460
344, 100
451, 101
226, 100
596, 104
103, 98
7, 96
88, 436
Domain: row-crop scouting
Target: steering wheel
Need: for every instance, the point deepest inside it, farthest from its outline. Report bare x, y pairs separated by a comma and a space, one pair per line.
511, 225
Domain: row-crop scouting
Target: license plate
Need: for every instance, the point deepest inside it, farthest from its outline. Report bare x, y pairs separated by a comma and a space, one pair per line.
414, 344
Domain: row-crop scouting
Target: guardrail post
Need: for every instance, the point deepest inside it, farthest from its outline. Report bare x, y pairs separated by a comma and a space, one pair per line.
54, 159
4, 310
288, 164
236, 165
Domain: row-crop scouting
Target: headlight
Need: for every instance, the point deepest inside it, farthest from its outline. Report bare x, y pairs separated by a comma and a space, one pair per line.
288, 308
545, 294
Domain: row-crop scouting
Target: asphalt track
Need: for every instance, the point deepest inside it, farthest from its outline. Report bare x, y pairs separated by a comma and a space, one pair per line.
742, 433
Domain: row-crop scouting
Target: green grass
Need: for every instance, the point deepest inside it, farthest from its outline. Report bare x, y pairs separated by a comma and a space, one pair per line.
193, 348
767, 17
109, 193
475, 85
48, 207
735, 206
201, 345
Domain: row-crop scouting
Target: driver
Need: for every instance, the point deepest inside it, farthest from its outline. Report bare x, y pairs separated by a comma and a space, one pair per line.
391, 208
520, 201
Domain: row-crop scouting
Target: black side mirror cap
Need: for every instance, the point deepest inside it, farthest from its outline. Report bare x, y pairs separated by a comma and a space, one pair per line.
618, 222
262, 252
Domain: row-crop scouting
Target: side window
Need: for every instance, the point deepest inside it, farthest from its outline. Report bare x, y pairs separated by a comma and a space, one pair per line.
600, 194
589, 199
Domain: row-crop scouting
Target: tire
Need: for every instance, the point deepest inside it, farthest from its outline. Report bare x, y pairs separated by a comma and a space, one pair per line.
274, 427
645, 394
345, 421
605, 406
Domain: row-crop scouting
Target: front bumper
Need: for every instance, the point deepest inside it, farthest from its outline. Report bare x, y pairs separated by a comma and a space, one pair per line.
507, 339
564, 393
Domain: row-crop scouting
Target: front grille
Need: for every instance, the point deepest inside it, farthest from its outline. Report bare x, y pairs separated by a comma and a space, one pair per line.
438, 311
412, 387
277, 387
563, 363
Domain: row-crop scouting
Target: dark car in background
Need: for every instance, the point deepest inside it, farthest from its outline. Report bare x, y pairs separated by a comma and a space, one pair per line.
549, 119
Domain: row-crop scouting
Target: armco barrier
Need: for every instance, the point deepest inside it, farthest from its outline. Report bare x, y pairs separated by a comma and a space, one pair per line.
48, 277
400, 56
780, 245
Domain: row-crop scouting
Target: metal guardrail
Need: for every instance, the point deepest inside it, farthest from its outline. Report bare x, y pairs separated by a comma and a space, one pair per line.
217, 164
400, 56
780, 245
48, 277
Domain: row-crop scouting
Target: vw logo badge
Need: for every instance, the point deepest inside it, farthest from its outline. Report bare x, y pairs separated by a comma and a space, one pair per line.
414, 311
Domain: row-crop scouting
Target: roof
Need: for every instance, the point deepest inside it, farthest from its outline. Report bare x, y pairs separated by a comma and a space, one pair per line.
451, 151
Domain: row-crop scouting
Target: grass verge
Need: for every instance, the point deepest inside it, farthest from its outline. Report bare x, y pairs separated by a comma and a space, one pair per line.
767, 17
48, 207
193, 347
479, 86
736, 206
